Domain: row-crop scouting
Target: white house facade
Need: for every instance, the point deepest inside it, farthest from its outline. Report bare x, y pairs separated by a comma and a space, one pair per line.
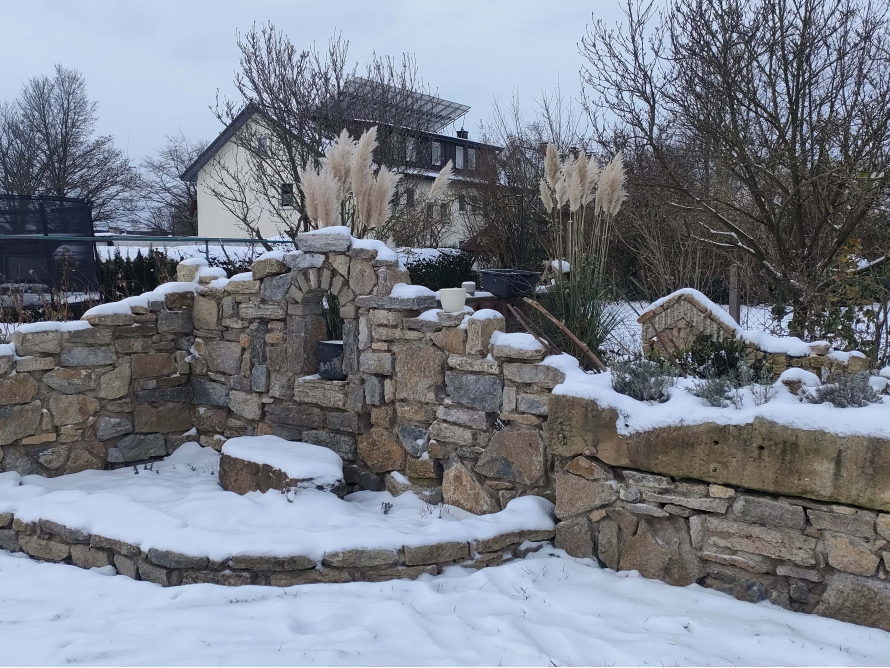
229, 196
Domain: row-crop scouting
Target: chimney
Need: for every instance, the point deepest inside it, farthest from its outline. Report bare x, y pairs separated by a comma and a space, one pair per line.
463, 134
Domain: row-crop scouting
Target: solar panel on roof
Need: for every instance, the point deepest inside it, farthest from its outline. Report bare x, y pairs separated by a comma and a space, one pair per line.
431, 113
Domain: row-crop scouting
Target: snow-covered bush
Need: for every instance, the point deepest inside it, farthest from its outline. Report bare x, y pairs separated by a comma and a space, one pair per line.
727, 369
844, 391
643, 379
717, 391
710, 358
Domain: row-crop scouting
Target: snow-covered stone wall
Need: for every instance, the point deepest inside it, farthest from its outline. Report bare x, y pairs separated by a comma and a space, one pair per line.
453, 408
672, 323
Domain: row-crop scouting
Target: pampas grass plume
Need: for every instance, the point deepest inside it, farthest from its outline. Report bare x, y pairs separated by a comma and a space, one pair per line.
384, 187
308, 182
574, 187
610, 193
338, 158
440, 185
590, 187
551, 166
362, 175
545, 195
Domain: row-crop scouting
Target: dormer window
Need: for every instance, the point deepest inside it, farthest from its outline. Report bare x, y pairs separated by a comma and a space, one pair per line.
459, 157
437, 153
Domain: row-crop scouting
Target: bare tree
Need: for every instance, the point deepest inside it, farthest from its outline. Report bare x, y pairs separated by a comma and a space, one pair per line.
784, 108
20, 168
508, 223
303, 99
48, 145
169, 202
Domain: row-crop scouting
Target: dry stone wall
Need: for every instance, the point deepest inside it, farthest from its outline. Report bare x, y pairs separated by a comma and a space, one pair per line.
110, 393
822, 558
681, 318
435, 404
50, 541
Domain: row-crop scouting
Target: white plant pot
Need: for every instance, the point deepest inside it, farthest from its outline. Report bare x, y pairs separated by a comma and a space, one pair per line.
453, 299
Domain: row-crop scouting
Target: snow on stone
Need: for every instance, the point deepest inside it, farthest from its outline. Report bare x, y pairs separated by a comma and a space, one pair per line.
878, 383
384, 252
802, 376
486, 314
297, 460
432, 315
518, 340
115, 308
789, 345
170, 288
340, 230
7, 349
844, 357
70, 326
143, 300
192, 261
179, 506
216, 272
405, 291
548, 609
684, 408
271, 255
244, 276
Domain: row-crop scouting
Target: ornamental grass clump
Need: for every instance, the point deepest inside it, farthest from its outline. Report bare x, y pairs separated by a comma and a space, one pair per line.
844, 390
643, 378
581, 202
345, 189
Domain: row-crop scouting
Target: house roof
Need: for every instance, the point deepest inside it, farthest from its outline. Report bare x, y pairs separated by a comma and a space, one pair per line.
191, 173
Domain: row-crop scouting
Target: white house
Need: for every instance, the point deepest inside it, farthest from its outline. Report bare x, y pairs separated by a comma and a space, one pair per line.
228, 194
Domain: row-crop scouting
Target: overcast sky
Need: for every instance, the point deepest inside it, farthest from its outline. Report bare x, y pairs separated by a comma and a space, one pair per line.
155, 66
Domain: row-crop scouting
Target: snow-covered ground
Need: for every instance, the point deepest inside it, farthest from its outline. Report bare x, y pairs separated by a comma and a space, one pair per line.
176, 504
546, 610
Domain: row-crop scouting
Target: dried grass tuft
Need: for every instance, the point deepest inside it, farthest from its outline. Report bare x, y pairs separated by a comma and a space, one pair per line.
338, 158
440, 185
551, 166
610, 194
545, 195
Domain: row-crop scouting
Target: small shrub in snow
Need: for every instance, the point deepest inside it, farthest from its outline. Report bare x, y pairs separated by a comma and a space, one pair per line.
762, 392
757, 378
643, 378
717, 391
844, 391
710, 358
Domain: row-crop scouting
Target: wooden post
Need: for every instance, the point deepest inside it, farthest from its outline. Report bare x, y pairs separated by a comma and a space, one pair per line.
735, 307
